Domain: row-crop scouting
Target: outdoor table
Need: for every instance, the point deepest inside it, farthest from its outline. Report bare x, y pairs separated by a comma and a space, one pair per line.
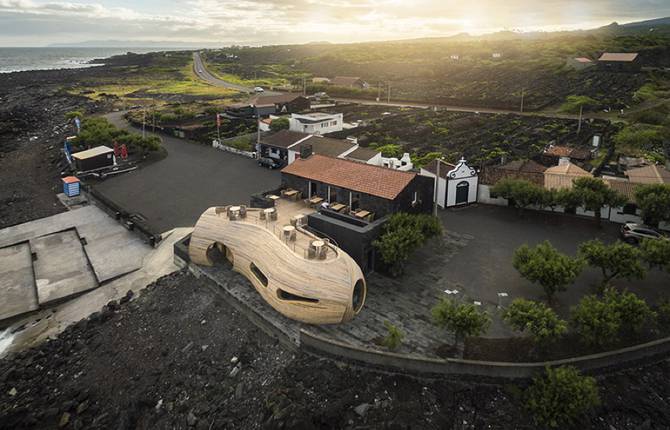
337, 207
272, 197
315, 200
291, 194
318, 244
362, 214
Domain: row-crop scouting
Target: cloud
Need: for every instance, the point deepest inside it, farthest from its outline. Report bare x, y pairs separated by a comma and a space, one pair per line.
296, 21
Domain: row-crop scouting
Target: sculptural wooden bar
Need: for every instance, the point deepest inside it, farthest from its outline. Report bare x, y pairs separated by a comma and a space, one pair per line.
300, 275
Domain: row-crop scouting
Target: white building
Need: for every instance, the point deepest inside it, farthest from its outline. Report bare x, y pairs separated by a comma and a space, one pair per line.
403, 164
316, 122
457, 185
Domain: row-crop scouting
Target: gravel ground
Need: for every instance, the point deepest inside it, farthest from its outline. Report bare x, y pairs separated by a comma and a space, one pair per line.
179, 357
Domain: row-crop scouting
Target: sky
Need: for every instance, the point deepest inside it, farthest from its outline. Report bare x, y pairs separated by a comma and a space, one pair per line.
262, 22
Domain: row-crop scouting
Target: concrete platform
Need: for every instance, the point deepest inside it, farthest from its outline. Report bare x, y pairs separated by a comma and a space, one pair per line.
112, 250
75, 251
61, 267
17, 283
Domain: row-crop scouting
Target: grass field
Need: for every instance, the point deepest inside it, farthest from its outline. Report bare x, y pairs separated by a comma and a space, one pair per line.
135, 82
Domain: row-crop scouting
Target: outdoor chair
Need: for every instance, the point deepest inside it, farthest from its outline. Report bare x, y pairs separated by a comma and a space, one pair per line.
311, 252
262, 215
243, 211
273, 215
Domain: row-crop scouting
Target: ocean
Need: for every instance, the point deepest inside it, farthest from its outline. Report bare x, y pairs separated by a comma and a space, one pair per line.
19, 59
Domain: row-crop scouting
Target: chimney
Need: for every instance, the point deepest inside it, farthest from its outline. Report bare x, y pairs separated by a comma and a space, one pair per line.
563, 161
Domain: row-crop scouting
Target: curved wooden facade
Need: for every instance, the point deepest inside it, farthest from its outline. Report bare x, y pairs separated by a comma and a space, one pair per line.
326, 290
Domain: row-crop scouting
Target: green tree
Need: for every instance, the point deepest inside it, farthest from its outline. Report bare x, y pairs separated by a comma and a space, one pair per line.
462, 319
615, 261
74, 114
595, 321
394, 338
656, 253
280, 123
600, 321
593, 194
536, 318
632, 310
391, 150
402, 234
561, 396
654, 202
545, 266
520, 192
573, 103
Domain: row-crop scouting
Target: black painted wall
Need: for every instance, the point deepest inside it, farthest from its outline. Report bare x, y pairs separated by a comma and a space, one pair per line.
380, 206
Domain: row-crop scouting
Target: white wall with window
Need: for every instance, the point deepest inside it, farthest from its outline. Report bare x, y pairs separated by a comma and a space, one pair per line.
316, 123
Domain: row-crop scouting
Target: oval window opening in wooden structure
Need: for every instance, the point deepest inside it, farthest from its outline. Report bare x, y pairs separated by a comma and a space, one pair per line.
358, 297
285, 295
258, 274
220, 255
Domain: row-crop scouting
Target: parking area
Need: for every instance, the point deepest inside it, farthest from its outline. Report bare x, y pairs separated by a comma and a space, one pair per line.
174, 192
483, 266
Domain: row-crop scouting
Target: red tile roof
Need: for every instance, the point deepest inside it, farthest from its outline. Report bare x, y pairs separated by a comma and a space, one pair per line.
653, 174
351, 175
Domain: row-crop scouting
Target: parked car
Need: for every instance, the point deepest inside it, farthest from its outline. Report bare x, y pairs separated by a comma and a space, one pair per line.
258, 89
634, 233
270, 163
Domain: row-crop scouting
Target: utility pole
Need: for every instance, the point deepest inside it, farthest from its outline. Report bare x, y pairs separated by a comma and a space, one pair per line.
437, 185
388, 94
144, 123
579, 127
522, 94
304, 86
379, 91
153, 119
258, 134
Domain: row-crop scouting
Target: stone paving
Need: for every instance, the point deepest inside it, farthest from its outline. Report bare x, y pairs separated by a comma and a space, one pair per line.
404, 304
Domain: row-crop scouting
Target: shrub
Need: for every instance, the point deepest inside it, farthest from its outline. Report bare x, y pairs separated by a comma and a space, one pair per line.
535, 318
617, 260
656, 253
560, 396
521, 192
402, 234
663, 313
595, 321
601, 321
463, 319
632, 310
574, 103
545, 266
279, 124
654, 202
97, 131
394, 337
594, 194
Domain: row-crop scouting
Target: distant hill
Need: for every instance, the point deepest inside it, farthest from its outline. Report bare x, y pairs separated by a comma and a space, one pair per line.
649, 23
135, 44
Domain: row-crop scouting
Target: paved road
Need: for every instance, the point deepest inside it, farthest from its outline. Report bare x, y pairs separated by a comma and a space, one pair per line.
174, 192
201, 71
